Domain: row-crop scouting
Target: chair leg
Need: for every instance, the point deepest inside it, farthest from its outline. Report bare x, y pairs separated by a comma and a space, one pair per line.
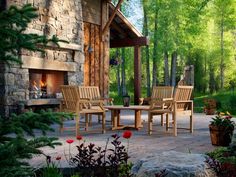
77, 124
174, 124
162, 121
191, 123
191, 119
90, 120
61, 126
167, 122
87, 119
149, 123
99, 119
103, 123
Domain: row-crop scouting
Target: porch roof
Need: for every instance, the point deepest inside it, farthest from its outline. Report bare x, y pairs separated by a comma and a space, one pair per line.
123, 33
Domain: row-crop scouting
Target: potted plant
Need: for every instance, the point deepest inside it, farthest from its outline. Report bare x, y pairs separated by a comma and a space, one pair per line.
210, 106
221, 129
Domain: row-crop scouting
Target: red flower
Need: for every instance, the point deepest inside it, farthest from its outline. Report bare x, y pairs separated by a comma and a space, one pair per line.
58, 158
127, 134
79, 137
69, 141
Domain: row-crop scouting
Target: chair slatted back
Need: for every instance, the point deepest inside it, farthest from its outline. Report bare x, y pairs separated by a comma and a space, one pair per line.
162, 92
183, 93
89, 92
70, 96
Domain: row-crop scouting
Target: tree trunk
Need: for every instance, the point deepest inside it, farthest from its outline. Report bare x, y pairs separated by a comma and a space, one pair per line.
222, 66
173, 68
118, 73
123, 75
166, 69
154, 76
145, 29
211, 79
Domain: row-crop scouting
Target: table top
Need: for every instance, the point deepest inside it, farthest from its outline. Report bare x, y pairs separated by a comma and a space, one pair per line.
131, 107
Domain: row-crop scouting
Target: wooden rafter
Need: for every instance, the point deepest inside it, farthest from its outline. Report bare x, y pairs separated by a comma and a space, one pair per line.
112, 17
119, 29
127, 42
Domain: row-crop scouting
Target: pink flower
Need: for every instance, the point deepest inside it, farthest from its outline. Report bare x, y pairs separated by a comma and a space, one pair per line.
69, 141
127, 134
79, 137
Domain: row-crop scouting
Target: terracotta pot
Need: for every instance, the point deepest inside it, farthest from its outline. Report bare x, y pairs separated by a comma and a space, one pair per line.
210, 111
220, 136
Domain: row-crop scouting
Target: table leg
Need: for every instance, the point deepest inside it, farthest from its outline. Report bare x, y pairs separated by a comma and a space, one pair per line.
118, 117
138, 122
114, 119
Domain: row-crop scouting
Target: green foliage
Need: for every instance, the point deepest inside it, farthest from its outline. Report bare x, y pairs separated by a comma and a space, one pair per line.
51, 170
16, 145
224, 100
223, 120
13, 24
95, 161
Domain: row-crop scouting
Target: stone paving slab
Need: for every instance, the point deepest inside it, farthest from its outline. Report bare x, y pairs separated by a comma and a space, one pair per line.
141, 143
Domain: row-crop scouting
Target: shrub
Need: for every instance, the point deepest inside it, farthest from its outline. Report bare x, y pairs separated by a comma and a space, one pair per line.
94, 161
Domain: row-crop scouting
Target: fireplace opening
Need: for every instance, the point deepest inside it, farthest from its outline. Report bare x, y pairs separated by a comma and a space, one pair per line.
45, 83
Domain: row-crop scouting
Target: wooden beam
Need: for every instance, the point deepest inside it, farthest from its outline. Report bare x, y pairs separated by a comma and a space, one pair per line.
119, 29
137, 74
127, 42
112, 17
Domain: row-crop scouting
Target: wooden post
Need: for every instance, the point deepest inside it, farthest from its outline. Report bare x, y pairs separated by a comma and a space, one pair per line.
137, 74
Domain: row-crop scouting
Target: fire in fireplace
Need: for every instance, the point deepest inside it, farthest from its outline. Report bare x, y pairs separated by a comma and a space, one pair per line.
45, 83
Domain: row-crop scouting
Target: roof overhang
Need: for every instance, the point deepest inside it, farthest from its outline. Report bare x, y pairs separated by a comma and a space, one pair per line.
123, 33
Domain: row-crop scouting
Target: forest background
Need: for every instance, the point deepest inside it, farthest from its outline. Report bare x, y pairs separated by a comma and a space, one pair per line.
181, 32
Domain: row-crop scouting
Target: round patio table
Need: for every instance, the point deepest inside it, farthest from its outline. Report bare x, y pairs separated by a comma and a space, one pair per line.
115, 116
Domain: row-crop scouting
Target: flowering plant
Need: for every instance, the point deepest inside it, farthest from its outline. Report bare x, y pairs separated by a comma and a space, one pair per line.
223, 119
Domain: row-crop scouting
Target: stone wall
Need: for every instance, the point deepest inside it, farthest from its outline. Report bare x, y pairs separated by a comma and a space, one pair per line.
56, 17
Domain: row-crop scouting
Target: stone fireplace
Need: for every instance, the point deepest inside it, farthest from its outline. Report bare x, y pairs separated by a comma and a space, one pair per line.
37, 81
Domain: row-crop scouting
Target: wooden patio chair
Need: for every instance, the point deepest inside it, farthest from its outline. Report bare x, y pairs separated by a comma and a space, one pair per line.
180, 103
74, 104
93, 94
159, 93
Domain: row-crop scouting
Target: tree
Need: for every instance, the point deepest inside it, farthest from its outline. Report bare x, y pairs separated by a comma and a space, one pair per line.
146, 33
15, 147
225, 20
154, 71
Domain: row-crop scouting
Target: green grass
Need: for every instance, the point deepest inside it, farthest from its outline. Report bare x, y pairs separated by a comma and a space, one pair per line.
226, 100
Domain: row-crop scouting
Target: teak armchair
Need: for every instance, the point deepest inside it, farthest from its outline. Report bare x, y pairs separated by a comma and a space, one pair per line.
159, 93
92, 93
74, 104
181, 103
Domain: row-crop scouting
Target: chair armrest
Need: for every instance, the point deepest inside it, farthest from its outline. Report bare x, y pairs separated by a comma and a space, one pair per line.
184, 101
157, 103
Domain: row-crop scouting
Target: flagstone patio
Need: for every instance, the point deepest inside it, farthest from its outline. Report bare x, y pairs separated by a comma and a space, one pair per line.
140, 144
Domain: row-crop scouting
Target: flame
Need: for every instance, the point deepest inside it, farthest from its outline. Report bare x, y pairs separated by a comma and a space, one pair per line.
43, 84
